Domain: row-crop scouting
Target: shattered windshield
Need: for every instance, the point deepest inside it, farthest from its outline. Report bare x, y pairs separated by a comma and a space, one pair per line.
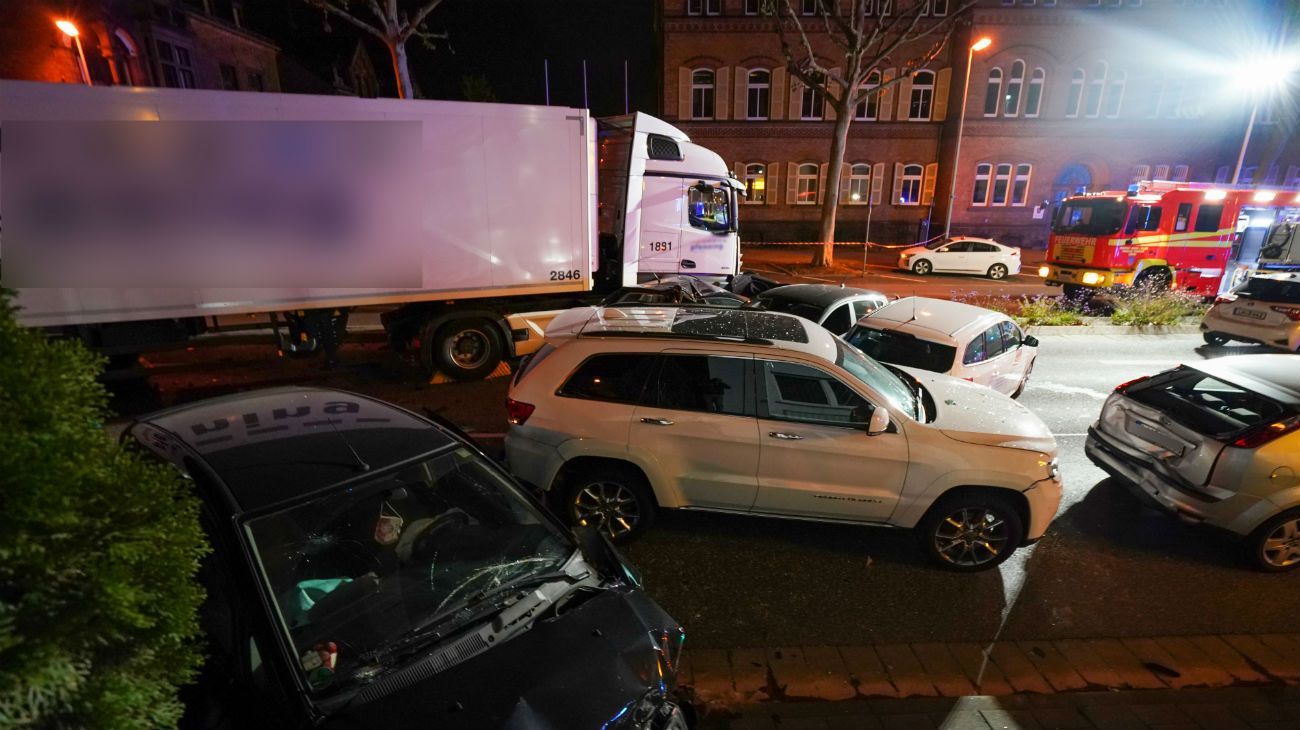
357, 570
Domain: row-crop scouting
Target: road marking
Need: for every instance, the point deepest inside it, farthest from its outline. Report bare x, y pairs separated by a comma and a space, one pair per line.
1071, 389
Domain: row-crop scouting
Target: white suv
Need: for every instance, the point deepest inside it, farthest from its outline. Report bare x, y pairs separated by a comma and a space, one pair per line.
625, 411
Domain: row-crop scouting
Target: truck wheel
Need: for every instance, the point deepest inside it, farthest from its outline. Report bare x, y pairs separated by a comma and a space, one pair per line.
971, 531
1076, 292
1153, 280
922, 268
1215, 339
465, 349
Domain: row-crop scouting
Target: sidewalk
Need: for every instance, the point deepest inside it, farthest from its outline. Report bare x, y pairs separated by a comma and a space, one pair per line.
1236, 708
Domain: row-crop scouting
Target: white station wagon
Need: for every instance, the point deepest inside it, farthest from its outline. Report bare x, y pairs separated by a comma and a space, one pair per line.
627, 411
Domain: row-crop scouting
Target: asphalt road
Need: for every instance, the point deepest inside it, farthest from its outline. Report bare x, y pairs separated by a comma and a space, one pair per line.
1107, 568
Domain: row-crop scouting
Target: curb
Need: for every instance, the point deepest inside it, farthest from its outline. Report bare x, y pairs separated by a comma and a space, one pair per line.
1113, 329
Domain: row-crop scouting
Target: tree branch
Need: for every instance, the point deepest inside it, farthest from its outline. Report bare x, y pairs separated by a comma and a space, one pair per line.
335, 10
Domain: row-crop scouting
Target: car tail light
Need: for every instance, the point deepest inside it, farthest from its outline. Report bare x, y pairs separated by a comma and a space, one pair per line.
518, 411
1015, 252
1125, 385
1224, 299
1260, 435
1292, 313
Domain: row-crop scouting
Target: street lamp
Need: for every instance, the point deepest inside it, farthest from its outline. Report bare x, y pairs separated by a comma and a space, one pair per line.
1258, 76
71, 31
978, 45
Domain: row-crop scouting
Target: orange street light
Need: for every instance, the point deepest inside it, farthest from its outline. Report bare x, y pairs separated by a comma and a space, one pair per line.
69, 29
978, 45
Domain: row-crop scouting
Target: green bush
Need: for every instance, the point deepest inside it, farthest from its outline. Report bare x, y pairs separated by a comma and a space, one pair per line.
1141, 308
98, 549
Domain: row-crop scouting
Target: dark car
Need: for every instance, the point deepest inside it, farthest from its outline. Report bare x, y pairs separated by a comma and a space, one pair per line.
675, 290
371, 568
834, 307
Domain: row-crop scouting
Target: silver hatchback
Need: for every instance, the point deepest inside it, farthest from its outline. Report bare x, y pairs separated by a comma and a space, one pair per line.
1217, 442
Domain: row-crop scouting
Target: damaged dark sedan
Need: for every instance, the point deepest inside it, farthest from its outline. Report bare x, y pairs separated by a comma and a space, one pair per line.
372, 568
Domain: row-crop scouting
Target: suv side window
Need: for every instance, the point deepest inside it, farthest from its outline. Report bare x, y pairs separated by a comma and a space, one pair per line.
840, 320
863, 307
1010, 336
975, 351
794, 392
614, 378
705, 383
993, 341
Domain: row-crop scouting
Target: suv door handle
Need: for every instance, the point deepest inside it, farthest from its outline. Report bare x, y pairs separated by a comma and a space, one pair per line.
657, 421
785, 436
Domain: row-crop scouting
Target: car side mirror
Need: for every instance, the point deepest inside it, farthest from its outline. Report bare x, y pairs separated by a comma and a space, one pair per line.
879, 422
1030, 341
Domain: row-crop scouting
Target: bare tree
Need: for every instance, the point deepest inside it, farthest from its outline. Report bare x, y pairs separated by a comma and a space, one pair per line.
394, 22
903, 34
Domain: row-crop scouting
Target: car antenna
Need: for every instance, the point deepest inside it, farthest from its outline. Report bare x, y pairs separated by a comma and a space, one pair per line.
360, 461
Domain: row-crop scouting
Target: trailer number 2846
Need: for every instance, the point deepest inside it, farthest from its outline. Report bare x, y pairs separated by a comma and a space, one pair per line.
570, 275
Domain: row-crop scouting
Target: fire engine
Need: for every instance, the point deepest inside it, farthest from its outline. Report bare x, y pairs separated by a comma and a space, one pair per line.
1194, 237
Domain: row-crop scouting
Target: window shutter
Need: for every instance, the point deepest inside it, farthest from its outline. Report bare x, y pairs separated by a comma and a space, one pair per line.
898, 183
721, 92
904, 99
740, 110
845, 168
771, 182
776, 100
821, 182
928, 183
796, 98
877, 182
791, 183
832, 88
886, 106
683, 93
942, 81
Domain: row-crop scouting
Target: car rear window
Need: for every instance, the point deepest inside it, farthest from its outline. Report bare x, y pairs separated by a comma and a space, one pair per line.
1271, 290
799, 309
901, 348
1206, 404
616, 378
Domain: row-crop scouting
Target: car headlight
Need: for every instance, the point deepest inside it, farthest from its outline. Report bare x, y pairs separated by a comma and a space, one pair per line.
1044, 271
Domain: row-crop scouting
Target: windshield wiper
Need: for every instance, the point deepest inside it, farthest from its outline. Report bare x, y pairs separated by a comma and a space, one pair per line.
912, 384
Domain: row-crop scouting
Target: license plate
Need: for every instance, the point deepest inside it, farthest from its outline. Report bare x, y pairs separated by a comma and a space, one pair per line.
1250, 313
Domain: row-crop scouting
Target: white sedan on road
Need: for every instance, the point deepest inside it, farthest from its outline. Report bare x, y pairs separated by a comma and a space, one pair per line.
962, 255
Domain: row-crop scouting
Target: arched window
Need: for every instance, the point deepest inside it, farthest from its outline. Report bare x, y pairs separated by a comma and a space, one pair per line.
1034, 94
993, 92
758, 95
922, 96
124, 49
869, 107
756, 182
1096, 85
909, 185
806, 183
858, 191
1020, 186
981, 194
1115, 94
1001, 184
1073, 102
702, 94
813, 104
1011, 101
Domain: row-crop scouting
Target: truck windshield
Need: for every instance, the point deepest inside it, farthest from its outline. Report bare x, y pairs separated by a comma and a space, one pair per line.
354, 571
709, 207
1090, 217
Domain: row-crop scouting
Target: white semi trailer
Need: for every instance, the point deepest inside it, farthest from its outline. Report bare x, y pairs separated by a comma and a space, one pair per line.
134, 216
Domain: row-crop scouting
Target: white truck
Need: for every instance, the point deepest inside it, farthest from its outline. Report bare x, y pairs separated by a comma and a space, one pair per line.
135, 216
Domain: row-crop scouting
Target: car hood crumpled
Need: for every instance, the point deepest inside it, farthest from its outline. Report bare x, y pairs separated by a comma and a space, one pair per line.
975, 414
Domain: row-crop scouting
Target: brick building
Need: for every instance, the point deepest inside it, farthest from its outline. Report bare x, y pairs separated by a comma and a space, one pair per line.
1072, 95
201, 44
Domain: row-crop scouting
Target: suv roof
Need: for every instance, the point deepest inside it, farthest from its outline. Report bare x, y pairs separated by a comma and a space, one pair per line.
773, 329
939, 316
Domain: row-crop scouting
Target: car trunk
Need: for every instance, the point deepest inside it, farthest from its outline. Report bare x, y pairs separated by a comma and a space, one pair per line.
1183, 419
1265, 301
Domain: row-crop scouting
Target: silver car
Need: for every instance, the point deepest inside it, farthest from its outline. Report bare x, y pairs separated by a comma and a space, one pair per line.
1217, 442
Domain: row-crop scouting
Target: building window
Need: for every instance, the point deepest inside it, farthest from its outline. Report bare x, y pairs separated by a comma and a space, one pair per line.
229, 78
1096, 85
124, 49
174, 60
702, 94
756, 182
993, 92
713, 7
1221, 175
1162, 172
858, 191
1115, 94
1020, 186
1248, 175
1011, 101
1034, 94
1154, 97
1171, 104
909, 185
886, 7
939, 8
869, 107
982, 173
753, 7
1180, 173
1072, 103
695, 7
809, 7
813, 103
1292, 176
758, 96
1001, 184
1140, 173
806, 184
922, 96
256, 82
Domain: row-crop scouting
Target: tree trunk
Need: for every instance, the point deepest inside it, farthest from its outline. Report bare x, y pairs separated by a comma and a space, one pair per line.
825, 255
398, 51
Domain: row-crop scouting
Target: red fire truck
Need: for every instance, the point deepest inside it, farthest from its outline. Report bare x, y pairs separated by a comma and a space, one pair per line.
1193, 237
